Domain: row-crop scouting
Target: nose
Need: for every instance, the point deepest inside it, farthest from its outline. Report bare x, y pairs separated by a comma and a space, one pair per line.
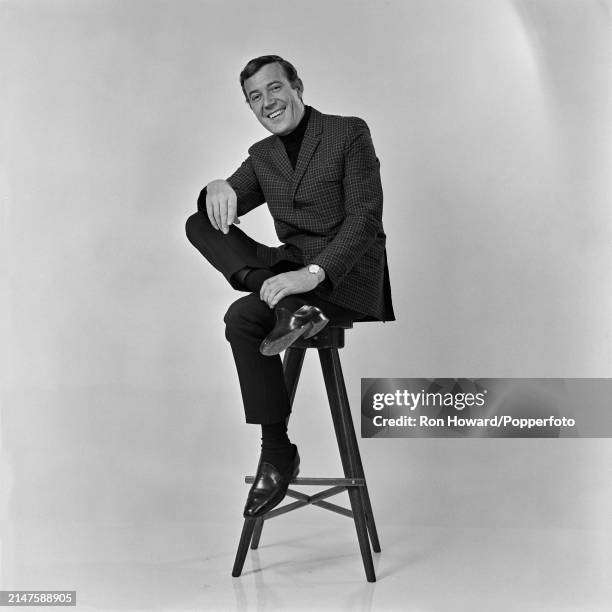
268, 100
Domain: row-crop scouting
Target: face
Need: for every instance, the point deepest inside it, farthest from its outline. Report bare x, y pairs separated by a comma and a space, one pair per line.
276, 104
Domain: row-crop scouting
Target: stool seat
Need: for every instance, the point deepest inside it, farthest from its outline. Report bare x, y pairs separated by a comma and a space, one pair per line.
331, 336
327, 342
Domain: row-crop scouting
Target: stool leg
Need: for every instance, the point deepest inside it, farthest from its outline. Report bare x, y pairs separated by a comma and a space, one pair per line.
352, 441
367, 504
343, 426
257, 533
243, 546
362, 533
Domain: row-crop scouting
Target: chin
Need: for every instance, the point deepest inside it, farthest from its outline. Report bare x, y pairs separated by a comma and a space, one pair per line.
285, 128
279, 130
271, 128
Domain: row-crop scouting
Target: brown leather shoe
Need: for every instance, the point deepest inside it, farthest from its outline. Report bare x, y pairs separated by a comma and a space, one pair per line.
306, 321
270, 487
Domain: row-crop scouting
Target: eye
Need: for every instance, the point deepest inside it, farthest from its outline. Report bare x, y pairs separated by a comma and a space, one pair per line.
255, 97
276, 87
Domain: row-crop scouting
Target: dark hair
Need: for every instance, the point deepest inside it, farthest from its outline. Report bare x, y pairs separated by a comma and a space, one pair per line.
258, 63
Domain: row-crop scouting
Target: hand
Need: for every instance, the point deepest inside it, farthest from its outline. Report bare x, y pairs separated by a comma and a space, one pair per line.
221, 205
287, 283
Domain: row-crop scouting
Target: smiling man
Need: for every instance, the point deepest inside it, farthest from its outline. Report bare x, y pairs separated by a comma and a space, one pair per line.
320, 178
275, 100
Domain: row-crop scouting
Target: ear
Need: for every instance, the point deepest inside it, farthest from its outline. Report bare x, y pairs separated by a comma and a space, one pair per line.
297, 84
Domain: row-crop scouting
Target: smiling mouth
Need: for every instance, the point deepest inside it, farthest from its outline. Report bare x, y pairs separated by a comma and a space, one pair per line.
276, 113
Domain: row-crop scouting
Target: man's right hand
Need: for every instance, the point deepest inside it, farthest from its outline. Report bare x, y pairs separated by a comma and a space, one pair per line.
221, 205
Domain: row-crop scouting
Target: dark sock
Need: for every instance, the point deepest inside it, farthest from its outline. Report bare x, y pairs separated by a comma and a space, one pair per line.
253, 278
276, 448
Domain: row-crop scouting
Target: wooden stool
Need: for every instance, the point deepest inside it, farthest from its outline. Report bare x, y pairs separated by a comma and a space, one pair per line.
328, 341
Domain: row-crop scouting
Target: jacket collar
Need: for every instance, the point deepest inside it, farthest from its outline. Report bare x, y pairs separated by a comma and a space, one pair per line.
312, 137
278, 155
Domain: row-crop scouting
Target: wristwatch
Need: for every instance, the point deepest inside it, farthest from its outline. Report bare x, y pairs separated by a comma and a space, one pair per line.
315, 269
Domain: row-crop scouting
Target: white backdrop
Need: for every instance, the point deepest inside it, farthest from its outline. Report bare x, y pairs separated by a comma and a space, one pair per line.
491, 121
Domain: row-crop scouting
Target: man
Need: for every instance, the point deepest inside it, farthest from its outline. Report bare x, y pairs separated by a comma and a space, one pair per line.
320, 178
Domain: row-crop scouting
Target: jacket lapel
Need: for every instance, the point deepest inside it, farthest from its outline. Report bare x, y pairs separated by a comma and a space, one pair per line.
278, 155
312, 137
279, 158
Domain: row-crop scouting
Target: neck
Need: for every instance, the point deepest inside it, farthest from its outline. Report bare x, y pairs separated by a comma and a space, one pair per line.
299, 129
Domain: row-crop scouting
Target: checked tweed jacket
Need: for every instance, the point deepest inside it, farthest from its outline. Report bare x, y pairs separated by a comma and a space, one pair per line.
328, 211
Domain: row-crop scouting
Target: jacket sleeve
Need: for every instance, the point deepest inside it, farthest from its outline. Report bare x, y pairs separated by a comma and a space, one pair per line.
245, 184
248, 191
363, 200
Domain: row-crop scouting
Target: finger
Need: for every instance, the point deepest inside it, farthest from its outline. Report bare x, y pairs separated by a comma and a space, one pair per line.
271, 289
284, 291
223, 213
232, 208
270, 298
209, 212
278, 297
269, 286
266, 294
278, 292
217, 213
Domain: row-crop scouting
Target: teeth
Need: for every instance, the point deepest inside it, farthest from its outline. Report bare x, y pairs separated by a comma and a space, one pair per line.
275, 114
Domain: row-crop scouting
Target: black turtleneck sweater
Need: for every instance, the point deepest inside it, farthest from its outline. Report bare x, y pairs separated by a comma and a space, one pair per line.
293, 140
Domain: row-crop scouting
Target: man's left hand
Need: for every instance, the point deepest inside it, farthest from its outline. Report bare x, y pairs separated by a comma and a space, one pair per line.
287, 283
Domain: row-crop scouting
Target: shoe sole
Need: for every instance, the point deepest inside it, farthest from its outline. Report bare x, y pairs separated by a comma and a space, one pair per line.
280, 344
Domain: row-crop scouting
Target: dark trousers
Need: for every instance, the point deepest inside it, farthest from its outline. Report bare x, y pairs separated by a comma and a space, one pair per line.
249, 320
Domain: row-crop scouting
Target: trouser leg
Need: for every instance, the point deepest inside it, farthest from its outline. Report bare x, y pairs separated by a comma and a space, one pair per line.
247, 322
228, 253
